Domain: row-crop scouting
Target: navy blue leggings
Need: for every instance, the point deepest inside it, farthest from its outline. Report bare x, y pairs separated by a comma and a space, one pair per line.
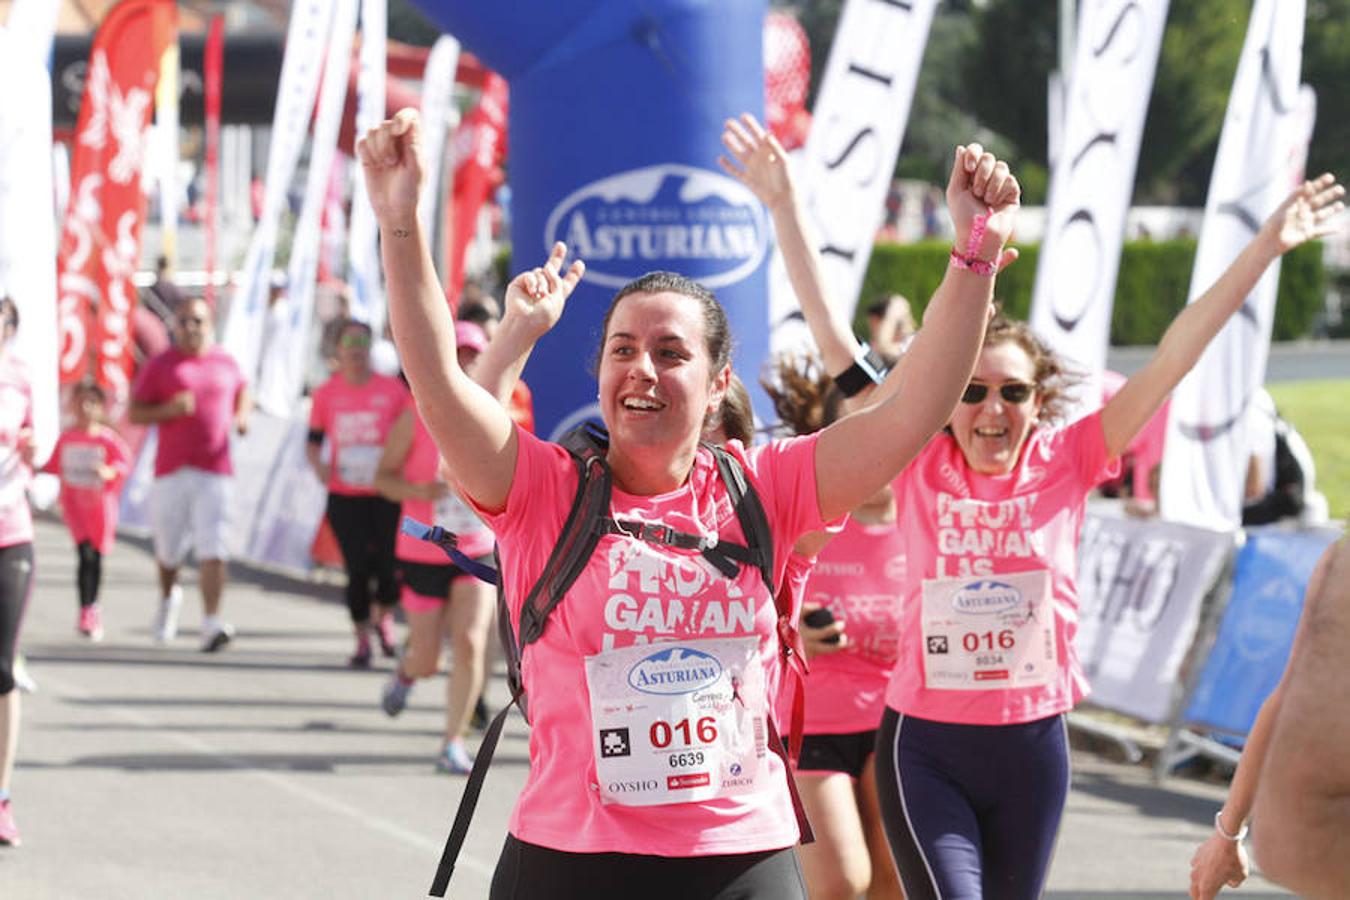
972, 811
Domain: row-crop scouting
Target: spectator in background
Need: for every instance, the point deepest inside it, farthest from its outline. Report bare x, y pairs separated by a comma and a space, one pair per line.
166, 297
932, 224
1280, 471
195, 392
890, 326
332, 328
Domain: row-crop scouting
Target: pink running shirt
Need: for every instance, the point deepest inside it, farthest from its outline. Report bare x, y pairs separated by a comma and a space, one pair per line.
16, 414
634, 593
859, 577
422, 466
200, 440
356, 419
88, 503
958, 523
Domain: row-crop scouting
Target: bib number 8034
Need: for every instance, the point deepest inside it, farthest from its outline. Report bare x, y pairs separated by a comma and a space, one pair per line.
704, 731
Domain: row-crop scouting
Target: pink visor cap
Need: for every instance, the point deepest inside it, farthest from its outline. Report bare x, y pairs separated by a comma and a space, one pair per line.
470, 336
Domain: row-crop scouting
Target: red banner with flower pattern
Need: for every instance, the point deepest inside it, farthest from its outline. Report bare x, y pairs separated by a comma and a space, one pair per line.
101, 235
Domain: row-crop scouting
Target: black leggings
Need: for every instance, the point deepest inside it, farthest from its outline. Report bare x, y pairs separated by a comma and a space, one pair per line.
530, 872
89, 573
16, 578
972, 811
366, 529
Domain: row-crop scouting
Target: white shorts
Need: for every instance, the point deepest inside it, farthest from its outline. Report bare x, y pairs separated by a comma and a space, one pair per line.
189, 511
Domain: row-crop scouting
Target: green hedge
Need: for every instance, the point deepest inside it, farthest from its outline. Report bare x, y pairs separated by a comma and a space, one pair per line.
1150, 288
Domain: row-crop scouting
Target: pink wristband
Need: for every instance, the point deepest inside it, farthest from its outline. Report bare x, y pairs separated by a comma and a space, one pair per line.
977, 226
974, 265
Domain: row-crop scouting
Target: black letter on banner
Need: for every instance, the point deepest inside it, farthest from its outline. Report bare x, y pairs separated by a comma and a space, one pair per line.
1082, 218
1115, 29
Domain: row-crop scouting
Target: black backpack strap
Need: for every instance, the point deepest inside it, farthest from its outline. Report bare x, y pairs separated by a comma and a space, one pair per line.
468, 801
750, 513
576, 543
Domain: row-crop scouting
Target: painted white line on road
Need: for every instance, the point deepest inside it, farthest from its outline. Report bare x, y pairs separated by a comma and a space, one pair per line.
65, 690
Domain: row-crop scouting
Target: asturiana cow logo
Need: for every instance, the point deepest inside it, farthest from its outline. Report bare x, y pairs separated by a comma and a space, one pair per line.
684, 218
986, 598
675, 670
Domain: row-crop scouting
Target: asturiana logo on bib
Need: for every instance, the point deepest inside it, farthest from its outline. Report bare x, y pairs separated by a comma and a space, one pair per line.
684, 218
986, 597
676, 670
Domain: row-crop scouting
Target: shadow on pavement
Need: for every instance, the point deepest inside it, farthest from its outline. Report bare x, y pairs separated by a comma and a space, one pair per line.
1146, 799
270, 762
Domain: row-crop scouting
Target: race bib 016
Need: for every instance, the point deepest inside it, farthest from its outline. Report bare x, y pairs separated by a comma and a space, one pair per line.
678, 722
994, 631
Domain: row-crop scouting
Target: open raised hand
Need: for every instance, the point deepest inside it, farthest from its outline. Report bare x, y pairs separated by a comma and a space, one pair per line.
983, 199
535, 298
761, 163
391, 160
1306, 213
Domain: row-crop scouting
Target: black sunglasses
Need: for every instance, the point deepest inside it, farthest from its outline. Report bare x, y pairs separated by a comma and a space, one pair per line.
1014, 392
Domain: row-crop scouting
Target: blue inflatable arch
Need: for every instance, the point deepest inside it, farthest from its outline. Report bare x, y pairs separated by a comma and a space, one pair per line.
615, 127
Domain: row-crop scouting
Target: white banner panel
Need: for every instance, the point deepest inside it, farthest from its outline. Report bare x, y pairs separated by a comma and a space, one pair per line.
1260, 156
1141, 586
439, 118
28, 222
844, 171
282, 372
363, 249
305, 40
1090, 188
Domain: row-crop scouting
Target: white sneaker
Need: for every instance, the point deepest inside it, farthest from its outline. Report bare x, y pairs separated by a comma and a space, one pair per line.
165, 626
215, 635
22, 679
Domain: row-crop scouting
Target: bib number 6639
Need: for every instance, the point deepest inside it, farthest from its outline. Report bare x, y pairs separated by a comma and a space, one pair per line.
703, 731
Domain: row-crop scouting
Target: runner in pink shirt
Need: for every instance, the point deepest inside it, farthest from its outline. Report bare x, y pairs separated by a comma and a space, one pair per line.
91, 460
352, 413
195, 395
650, 685
16, 545
438, 596
972, 756
846, 586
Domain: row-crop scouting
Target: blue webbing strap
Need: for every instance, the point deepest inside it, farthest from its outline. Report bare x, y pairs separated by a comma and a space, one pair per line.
447, 541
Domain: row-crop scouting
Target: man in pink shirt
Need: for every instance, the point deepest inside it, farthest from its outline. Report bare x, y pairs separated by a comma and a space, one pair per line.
195, 393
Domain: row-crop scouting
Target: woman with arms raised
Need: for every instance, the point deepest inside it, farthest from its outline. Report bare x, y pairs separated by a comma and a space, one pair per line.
603, 811
972, 754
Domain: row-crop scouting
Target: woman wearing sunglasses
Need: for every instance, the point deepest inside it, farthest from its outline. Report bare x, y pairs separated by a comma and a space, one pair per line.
972, 754
353, 412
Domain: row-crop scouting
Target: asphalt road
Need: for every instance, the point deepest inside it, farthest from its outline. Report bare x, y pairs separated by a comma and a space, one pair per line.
1289, 361
268, 770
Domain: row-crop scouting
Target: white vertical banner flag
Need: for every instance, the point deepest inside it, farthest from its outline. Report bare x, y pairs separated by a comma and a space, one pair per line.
28, 222
165, 141
1090, 188
306, 37
282, 373
363, 249
32, 24
844, 171
439, 118
1260, 158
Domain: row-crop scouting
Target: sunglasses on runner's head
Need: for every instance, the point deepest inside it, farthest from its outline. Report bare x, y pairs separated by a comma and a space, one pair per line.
1014, 392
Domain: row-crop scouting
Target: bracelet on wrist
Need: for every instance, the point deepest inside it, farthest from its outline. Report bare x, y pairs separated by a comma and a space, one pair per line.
973, 264
1234, 838
868, 368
